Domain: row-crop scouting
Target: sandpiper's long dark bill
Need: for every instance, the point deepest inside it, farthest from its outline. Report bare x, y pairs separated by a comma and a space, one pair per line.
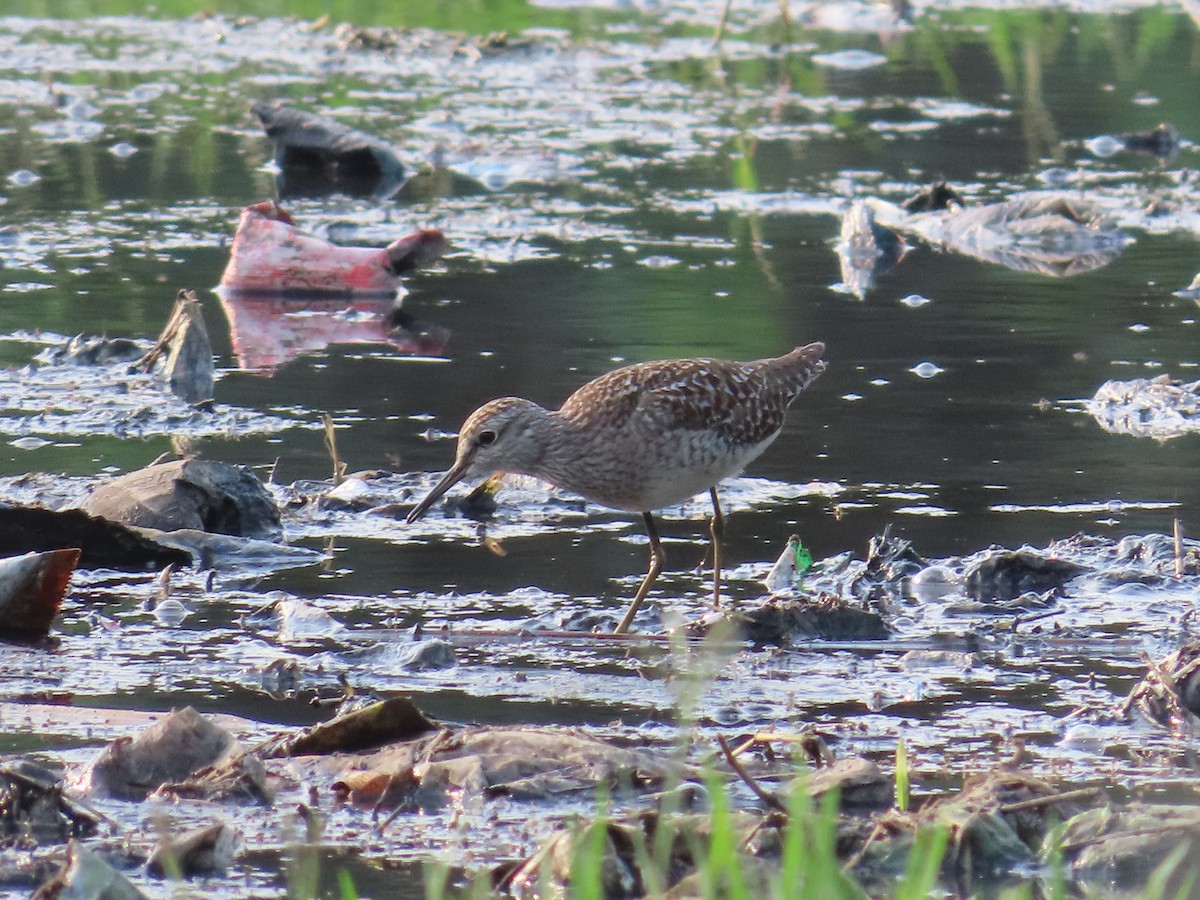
640, 437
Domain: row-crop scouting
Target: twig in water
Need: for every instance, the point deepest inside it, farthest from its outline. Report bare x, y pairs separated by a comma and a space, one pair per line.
769, 799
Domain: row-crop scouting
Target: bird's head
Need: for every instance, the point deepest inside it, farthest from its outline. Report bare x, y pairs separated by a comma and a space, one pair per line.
500, 436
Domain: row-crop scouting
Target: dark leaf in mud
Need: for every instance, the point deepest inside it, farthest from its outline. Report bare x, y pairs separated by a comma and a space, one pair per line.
102, 544
1007, 574
34, 809
170, 750
191, 493
31, 591
87, 875
318, 155
242, 779
783, 621
207, 850
394, 719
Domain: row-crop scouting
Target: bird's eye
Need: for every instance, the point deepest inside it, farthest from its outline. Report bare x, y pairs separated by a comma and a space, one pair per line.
487, 438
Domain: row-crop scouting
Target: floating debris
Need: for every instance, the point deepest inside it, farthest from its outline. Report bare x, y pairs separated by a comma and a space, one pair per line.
317, 155
270, 254
189, 370
866, 250
1161, 407
32, 587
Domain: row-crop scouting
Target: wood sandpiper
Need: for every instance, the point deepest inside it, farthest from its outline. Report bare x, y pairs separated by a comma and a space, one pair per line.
640, 438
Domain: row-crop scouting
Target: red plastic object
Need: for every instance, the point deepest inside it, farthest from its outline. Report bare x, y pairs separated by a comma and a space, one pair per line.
270, 254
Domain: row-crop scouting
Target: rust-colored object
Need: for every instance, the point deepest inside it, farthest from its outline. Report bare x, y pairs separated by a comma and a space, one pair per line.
270, 254
32, 587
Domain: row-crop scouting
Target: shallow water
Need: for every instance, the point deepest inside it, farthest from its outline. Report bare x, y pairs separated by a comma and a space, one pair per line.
617, 190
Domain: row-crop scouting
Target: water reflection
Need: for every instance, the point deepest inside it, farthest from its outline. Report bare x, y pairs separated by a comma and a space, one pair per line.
268, 330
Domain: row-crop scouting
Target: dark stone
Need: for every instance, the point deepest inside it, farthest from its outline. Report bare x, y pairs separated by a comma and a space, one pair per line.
102, 544
1007, 574
191, 493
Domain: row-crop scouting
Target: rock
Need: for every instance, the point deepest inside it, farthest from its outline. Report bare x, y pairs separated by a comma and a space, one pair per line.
191, 493
172, 749
102, 544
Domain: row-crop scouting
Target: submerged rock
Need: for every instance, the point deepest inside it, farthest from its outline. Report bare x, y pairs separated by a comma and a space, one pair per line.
191, 493
102, 544
1119, 849
783, 620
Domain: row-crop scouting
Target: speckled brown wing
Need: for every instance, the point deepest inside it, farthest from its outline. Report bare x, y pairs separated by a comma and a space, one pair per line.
734, 401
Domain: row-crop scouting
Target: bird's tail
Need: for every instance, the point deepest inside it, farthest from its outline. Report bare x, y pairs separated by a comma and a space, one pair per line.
798, 369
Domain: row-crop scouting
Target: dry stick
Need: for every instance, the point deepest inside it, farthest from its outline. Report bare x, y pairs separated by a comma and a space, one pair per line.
853, 861
769, 799
339, 467
1178, 549
1035, 802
